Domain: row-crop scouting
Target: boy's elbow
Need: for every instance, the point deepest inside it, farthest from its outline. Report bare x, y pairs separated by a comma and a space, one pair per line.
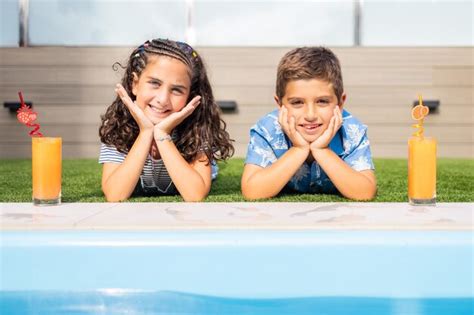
247, 192
366, 195
252, 194
248, 196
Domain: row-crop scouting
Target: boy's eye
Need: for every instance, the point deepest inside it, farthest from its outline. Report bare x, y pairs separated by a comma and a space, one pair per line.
296, 103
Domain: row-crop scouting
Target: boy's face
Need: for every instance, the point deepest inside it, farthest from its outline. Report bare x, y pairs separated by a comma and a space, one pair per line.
311, 102
162, 88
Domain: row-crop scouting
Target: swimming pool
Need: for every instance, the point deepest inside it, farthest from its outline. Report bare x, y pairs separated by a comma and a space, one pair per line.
237, 271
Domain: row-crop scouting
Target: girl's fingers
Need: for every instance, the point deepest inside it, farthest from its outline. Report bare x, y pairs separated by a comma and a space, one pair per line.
189, 108
122, 93
195, 101
176, 118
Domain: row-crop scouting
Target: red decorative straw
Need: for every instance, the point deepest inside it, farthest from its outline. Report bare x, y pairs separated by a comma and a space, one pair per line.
27, 116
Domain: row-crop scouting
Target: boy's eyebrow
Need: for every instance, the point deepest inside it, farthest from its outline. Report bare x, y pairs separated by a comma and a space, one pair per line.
324, 96
293, 98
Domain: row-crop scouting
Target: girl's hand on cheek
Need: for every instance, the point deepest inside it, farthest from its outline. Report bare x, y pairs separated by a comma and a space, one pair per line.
166, 126
334, 124
289, 127
144, 123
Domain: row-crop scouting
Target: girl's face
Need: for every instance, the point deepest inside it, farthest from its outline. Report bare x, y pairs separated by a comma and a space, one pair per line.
162, 88
312, 103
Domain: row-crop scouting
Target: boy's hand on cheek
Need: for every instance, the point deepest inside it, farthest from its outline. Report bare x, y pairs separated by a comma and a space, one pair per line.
144, 123
334, 124
166, 126
289, 128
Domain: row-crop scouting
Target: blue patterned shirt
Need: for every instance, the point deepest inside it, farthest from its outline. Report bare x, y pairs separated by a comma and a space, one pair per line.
268, 143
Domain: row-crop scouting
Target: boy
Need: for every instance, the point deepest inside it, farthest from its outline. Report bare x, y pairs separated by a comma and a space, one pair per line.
310, 144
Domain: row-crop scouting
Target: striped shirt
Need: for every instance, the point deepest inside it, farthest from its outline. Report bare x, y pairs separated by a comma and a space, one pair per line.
154, 178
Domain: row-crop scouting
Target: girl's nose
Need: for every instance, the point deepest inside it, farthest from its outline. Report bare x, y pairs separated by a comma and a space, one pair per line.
162, 97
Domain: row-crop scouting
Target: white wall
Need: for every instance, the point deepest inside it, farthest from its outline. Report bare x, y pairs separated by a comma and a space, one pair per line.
417, 23
104, 22
274, 23
9, 23
270, 23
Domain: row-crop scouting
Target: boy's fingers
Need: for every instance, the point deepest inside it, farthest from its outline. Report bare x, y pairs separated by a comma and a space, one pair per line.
291, 122
280, 118
292, 125
280, 115
339, 118
332, 124
285, 119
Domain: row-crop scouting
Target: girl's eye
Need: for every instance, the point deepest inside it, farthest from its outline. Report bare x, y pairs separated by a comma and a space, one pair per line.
177, 91
154, 83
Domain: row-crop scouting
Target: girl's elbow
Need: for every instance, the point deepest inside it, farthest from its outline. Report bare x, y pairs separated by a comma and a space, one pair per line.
247, 193
195, 196
111, 197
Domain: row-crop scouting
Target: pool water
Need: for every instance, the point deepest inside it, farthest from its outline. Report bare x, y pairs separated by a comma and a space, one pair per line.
158, 303
237, 272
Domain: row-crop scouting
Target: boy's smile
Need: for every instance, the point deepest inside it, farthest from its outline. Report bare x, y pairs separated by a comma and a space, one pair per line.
162, 88
311, 102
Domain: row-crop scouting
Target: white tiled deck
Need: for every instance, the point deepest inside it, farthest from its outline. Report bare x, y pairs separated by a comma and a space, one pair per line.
277, 216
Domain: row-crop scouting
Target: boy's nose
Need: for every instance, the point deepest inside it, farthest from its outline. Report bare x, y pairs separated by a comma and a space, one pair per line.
310, 113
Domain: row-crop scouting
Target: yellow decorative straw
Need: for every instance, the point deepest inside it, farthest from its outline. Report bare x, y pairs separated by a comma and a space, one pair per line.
418, 113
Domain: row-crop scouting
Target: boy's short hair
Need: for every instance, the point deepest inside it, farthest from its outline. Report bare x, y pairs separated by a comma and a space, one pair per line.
307, 63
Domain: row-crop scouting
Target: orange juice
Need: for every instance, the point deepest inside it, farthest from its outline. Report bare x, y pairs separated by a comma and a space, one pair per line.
422, 170
46, 170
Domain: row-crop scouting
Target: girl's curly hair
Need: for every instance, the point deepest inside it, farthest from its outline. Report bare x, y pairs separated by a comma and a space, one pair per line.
202, 132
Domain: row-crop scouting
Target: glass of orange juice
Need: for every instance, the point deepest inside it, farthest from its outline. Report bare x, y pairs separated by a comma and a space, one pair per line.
422, 170
46, 170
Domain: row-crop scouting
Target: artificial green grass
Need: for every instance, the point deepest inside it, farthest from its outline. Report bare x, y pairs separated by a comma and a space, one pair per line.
81, 182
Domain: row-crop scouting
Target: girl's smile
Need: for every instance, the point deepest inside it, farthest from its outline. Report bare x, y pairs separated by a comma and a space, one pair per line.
159, 112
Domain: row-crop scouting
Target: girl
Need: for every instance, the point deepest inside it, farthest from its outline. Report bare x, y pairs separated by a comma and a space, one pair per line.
163, 133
